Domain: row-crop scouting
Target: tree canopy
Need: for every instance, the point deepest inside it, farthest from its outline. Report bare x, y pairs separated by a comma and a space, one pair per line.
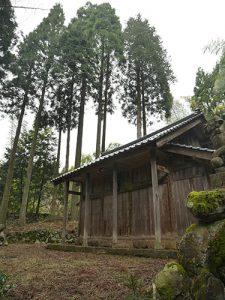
147, 71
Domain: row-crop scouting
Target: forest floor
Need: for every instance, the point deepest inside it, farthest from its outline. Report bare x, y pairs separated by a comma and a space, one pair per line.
38, 273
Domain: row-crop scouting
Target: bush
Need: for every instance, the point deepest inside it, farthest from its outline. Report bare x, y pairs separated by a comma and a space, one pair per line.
3, 286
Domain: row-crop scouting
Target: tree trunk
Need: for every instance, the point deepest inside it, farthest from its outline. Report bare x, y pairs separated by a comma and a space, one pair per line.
60, 134
75, 199
80, 123
54, 194
58, 152
106, 102
99, 124
8, 184
39, 196
22, 216
143, 105
138, 98
69, 128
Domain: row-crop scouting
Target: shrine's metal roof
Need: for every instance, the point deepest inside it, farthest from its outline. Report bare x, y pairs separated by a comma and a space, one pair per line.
148, 139
192, 147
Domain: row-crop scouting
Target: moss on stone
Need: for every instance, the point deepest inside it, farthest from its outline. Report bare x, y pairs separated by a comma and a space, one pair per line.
216, 256
207, 286
172, 282
191, 228
207, 205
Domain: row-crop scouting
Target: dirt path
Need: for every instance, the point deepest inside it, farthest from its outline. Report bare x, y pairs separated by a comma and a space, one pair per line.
38, 273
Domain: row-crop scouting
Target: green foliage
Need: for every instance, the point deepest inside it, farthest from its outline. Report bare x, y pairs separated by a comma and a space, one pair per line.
136, 285
206, 98
3, 286
147, 73
7, 36
112, 146
86, 158
43, 170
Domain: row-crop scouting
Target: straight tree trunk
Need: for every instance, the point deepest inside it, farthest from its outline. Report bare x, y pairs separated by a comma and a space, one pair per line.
8, 184
60, 134
99, 123
138, 82
54, 194
79, 143
80, 123
105, 103
69, 127
143, 105
58, 151
23, 208
39, 196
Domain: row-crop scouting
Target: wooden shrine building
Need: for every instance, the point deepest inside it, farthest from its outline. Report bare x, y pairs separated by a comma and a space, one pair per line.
135, 195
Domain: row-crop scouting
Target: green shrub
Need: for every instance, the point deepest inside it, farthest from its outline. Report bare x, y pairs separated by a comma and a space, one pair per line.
3, 286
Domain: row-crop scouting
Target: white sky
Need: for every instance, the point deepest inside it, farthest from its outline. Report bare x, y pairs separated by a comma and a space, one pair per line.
185, 26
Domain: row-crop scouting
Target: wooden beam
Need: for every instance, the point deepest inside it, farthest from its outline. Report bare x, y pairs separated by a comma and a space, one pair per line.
86, 210
156, 200
65, 214
115, 199
189, 152
163, 169
170, 136
74, 193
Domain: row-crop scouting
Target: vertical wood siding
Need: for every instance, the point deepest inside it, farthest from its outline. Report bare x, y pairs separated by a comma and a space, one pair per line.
135, 205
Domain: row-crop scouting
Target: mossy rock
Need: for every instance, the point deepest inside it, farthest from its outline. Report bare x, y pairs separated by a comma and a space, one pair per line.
207, 206
192, 249
172, 283
216, 250
207, 286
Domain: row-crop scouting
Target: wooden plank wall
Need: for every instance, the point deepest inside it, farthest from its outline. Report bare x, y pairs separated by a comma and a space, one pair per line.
135, 206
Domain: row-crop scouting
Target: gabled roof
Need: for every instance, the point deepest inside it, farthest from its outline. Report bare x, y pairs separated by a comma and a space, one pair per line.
148, 139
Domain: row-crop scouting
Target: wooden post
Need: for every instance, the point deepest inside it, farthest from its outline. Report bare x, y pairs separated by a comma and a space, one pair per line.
65, 215
156, 200
86, 210
115, 193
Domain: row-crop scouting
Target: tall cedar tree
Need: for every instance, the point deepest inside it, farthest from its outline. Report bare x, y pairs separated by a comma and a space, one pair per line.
17, 94
147, 74
7, 36
77, 46
108, 48
47, 37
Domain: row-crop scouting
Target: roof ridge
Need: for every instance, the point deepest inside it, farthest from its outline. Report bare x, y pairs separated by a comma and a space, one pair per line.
153, 133
137, 143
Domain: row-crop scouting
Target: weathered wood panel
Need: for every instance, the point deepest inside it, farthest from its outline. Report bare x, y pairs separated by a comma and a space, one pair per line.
196, 179
135, 205
140, 212
167, 223
96, 217
124, 214
107, 216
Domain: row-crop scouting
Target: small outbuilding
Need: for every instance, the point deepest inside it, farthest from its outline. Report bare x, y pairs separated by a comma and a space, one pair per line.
135, 195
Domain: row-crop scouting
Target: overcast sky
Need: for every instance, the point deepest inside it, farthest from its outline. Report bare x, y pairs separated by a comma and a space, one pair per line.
185, 27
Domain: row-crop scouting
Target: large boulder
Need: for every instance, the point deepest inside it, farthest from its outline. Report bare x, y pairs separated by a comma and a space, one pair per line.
207, 206
172, 283
216, 249
192, 249
203, 246
207, 286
